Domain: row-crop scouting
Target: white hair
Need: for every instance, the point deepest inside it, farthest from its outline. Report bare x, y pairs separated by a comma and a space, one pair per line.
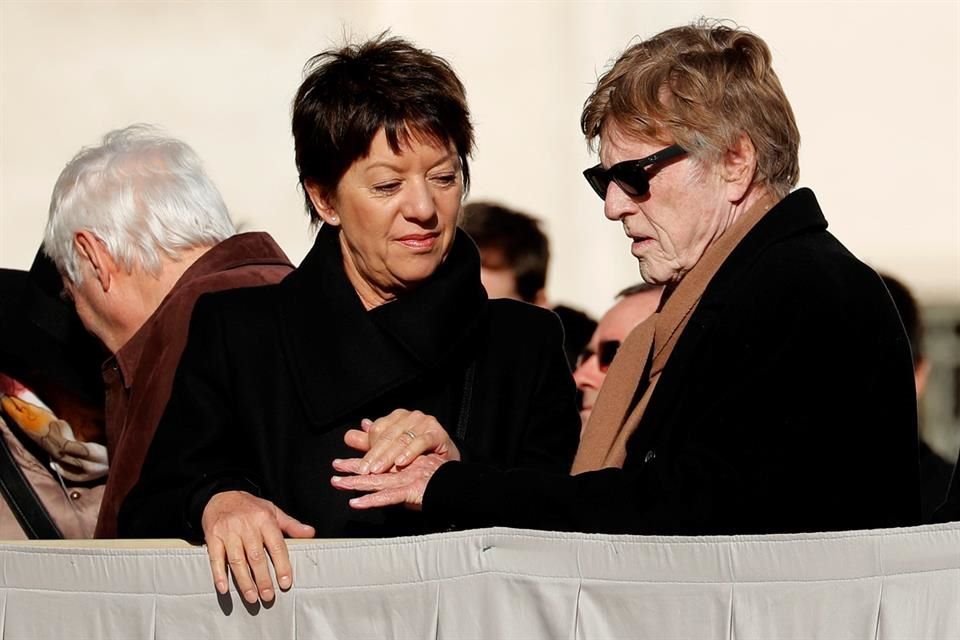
142, 194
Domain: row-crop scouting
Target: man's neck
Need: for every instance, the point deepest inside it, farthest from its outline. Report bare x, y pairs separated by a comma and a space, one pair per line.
147, 291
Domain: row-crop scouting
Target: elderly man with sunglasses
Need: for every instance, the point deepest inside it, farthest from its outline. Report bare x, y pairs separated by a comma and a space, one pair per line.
772, 391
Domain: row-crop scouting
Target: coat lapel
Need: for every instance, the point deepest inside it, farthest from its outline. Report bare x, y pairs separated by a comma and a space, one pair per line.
798, 213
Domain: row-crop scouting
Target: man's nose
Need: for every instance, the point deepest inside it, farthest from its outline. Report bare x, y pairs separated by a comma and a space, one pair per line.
588, 375
617, 203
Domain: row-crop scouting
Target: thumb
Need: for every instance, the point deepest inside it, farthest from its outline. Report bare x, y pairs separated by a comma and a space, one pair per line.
292, 527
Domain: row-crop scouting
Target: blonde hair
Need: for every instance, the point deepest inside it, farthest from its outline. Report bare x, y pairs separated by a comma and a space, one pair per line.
701, 86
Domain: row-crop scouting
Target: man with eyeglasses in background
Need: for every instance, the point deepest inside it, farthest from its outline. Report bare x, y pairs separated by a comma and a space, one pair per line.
633, 305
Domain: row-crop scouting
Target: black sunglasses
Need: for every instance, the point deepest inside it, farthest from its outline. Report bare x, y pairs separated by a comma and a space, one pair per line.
605, 353
630, 175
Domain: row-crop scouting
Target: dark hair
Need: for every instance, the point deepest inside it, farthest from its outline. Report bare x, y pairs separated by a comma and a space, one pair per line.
349, 94
909, 312
634, 289
517, 237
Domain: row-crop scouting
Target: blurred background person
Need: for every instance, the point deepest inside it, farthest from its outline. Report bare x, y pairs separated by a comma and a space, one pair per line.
935, 471
633, 305
53, 458
139, 231
514, 259
387, 310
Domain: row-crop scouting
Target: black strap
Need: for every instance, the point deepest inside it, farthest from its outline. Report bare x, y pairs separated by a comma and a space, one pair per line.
23, 500
465, 400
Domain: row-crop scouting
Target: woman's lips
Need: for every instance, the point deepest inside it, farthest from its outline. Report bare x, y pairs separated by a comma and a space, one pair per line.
419, 241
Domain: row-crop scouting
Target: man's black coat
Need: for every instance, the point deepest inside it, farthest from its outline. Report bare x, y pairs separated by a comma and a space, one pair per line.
788, 405
273, 376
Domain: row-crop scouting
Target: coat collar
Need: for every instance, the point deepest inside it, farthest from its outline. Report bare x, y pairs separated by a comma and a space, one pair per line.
796, 214
241, 250
344, 356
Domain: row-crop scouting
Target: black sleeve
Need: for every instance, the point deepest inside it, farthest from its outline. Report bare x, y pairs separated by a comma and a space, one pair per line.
553, 428
770, 433
949, 511
197, 450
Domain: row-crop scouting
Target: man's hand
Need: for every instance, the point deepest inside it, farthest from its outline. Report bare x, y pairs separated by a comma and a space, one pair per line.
397, 440
238, 527
404, 486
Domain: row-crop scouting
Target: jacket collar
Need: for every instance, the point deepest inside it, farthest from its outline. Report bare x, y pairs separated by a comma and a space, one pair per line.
344, 356
241, 250
796, 214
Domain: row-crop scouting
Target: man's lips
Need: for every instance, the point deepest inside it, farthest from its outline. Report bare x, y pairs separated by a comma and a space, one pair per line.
637, 237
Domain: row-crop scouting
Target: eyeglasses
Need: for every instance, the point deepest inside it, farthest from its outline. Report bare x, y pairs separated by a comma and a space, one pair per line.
605, 353
630, 175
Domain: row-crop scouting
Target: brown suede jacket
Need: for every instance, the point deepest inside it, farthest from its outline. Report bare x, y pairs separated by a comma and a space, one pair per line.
139, 377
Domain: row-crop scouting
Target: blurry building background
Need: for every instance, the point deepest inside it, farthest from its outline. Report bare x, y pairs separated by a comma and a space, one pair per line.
874, 85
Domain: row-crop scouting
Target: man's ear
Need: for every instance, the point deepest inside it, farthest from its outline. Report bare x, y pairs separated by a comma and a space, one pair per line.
738, 167
322, 203
92, 252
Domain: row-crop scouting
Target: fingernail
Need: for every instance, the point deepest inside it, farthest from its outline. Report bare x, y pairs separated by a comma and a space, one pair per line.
337, 461
364, 468
250, 595
335, 479
284, 582
366, 422
402, 459
266, 595
221, 587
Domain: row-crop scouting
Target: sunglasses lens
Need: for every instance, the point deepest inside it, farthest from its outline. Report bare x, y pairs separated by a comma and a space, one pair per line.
607, 352
598, 179
632, 180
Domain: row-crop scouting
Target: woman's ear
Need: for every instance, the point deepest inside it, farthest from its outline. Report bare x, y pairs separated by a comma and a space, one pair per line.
322, 203
738, 167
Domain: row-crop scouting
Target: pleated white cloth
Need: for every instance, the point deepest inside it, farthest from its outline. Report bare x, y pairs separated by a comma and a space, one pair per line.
505, 583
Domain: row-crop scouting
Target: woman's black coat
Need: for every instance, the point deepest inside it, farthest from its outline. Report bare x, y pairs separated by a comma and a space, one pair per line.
273, 376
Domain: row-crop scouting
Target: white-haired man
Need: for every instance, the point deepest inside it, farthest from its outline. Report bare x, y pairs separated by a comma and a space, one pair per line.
139, 232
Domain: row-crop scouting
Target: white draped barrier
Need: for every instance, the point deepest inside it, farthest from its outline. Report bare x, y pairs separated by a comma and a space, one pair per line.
505, 583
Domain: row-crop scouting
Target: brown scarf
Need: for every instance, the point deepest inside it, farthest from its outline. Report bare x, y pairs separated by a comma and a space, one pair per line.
636, 369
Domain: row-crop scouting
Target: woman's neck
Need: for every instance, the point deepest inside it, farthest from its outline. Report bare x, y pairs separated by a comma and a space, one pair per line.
370, 295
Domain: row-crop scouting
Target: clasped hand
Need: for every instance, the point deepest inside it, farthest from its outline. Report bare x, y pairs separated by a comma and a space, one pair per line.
401, 451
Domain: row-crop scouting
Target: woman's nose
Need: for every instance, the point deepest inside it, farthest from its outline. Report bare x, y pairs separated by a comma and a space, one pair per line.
420, 204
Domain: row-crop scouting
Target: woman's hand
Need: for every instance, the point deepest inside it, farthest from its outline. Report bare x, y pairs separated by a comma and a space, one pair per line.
238, 527
404, 486
396, 441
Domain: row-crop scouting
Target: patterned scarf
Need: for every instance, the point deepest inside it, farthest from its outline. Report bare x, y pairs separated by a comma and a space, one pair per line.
71, 458
634, 373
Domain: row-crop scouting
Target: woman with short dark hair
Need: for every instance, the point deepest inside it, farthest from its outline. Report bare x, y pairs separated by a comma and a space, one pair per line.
386, 311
